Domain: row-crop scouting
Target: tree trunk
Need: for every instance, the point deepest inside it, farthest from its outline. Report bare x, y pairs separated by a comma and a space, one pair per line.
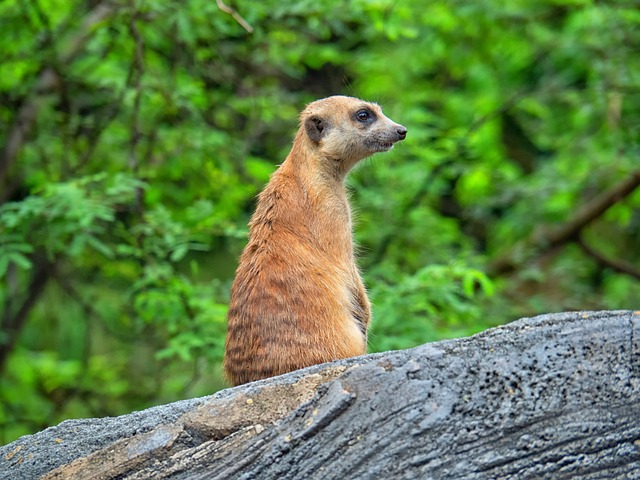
555, 396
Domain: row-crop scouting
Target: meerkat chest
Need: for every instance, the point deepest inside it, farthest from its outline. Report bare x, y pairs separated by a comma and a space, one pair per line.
333, 225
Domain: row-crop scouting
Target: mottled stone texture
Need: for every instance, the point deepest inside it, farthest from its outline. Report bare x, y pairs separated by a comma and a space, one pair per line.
555, 396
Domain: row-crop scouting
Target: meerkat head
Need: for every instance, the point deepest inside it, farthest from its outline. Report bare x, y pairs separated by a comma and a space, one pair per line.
344, 130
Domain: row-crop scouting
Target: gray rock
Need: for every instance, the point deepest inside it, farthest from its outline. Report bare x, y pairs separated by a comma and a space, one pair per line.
555, 396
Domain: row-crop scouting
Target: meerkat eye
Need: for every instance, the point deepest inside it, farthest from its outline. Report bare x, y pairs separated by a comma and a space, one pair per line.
363, 115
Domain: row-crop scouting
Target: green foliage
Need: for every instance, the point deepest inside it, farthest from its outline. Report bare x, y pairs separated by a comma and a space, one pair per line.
63, 219
440, 300
136, 135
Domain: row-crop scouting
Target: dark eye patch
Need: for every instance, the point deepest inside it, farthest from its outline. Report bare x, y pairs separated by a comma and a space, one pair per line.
364, 115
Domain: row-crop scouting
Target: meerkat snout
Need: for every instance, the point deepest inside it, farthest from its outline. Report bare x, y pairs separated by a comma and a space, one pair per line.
401, 133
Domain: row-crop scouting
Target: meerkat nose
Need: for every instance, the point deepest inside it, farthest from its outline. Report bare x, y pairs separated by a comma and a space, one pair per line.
402, 132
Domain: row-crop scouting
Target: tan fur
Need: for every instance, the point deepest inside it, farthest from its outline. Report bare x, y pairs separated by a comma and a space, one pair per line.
297, 298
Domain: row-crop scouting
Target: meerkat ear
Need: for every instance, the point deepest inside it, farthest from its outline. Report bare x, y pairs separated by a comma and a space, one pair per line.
315, 128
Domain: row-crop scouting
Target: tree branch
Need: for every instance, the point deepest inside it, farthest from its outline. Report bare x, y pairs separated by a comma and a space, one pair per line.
613, 264
13, 323
137, 71
547, 237
227, 9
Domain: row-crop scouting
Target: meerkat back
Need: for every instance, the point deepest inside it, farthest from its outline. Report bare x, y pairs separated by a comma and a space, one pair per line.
297, 298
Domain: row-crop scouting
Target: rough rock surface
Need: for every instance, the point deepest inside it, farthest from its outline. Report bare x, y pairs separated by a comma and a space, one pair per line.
555, 396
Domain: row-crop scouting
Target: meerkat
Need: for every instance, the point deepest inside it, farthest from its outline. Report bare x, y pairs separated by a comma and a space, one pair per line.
297, 298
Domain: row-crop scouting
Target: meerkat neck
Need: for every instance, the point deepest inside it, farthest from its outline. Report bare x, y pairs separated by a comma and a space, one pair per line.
314, 170
324, 202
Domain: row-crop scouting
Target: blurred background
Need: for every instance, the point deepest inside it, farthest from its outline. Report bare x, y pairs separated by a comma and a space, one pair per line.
136, 134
